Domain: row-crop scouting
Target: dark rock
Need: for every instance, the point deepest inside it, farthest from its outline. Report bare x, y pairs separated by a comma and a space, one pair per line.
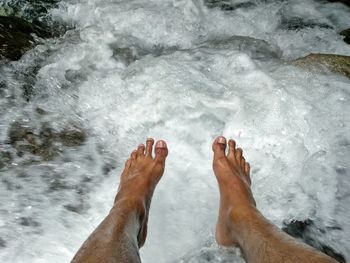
17, 132
16, 37
43, 143
57, 184
72, 137
77, 208
40, 111
31, 10
346, 34
297, 23
28, 78
3, 88
2, 243
75, 76
126, 55
325, 62
345, 2
5, 159
228, 5
255, 48
297, 228
309, 233
27, 221
107, 167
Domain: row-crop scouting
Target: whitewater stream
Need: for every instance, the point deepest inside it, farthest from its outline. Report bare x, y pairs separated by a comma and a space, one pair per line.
184, 71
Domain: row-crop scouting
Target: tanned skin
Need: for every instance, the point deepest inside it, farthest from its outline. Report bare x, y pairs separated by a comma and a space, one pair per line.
123, 232
241, 224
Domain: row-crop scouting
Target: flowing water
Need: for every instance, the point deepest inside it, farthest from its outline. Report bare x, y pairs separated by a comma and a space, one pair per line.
184, 71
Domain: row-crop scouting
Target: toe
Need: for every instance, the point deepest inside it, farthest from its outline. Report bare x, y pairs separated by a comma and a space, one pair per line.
133, 155
243, 163
141, 151
161, 151
239, 154
127, 164
219, 147
247, 169
247, 172
149, 147
232, 149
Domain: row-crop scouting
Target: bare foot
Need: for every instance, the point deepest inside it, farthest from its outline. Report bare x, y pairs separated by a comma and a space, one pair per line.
141, 174
236, 198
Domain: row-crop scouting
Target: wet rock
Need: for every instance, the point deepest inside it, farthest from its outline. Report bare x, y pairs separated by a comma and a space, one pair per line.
28, 78
3, 88
41, 111
27, 221
76, 208
72, 137
107, 167
346, 34
17, 132
24, 140
255, 48
345, 2
325, 62
57, 184
16, 37
298, 23
35, 12
29, 9
75, 76
297, 228
309, 233
2, 243
45, 142
126, 55
228, 5
5, 159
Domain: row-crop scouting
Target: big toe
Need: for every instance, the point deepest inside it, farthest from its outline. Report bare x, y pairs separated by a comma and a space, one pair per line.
219, 147
161, 151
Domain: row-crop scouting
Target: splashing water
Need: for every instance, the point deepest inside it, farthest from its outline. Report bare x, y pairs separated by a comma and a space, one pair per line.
180, 71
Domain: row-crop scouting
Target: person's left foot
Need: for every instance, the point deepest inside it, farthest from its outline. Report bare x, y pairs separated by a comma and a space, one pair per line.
141, 174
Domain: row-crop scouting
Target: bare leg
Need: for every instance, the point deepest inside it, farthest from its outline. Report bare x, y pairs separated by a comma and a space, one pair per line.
241, 224
121, 234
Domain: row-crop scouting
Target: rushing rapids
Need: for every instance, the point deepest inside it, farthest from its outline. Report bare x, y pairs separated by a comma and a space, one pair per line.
73, 108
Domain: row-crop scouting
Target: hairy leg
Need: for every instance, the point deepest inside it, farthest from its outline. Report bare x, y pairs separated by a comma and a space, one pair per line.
121, 234
241, 224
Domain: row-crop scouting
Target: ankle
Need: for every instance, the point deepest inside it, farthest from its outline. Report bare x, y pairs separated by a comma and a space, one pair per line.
126, 205
242, 219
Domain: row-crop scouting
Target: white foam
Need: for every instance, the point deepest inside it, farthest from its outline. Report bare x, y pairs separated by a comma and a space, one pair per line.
290, 123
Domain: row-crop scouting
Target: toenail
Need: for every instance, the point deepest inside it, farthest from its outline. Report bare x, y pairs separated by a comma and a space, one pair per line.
141, 145
222, 140
161, 144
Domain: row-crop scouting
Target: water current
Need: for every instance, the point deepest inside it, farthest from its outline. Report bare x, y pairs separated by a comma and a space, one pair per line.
184, 71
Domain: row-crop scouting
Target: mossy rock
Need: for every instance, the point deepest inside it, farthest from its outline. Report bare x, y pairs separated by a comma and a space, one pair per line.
16, 36
325, 62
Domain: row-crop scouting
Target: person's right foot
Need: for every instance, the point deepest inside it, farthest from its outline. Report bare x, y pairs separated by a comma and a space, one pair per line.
236, 198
